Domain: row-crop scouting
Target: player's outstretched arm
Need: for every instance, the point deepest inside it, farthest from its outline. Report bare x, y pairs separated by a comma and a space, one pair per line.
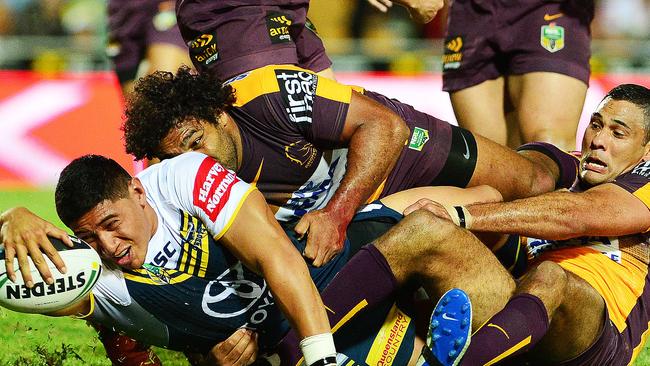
375, 137
257, 239
604, 210
23, 235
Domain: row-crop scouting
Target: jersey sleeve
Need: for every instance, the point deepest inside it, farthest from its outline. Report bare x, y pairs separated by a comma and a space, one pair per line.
637, 182
292, 100
566, 162
206, 189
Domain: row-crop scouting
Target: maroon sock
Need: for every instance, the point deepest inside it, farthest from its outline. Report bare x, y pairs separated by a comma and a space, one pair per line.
365, 281
513, 330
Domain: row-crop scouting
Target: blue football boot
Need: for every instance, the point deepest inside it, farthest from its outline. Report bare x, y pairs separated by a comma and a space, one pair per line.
450, 330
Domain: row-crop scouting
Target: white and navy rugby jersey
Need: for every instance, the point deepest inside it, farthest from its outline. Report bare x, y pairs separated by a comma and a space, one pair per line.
213, 294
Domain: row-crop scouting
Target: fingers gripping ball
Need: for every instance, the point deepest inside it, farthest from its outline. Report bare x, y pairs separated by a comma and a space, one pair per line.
83, 267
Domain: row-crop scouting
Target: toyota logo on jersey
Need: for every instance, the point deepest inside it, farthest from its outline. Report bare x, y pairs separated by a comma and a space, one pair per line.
235, 292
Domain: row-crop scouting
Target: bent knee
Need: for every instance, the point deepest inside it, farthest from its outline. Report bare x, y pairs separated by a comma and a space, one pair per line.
551, 273
548, 281
427, 222
542, 181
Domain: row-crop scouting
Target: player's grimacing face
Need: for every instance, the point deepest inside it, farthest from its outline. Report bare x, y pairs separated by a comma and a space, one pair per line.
204, 137
613, 142
117, 231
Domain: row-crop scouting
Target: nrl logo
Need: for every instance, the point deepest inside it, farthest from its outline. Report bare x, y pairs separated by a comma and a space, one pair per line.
157, 274
552, 37
418, 139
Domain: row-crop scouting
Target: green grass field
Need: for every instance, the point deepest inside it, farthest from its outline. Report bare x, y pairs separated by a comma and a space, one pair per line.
37, 340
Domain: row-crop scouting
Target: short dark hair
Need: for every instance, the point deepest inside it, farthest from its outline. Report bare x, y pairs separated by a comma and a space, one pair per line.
162, 100
637, 95
86, 182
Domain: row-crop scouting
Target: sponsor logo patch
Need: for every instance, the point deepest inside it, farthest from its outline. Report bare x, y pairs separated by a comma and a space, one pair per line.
278, 26
298, 89
453, 55
418, 139
212, 187
203, 49
236, 293
552, 37
389, 338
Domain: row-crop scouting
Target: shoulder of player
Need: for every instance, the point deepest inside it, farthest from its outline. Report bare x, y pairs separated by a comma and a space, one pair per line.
284, 81
185, 163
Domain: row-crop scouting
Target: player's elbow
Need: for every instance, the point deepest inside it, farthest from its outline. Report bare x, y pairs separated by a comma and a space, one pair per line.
396, 128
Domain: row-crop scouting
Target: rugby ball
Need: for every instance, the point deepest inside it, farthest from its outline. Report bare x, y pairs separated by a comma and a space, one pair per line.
83, 268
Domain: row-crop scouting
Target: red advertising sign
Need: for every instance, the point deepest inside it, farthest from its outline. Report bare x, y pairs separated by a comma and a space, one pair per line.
47, 121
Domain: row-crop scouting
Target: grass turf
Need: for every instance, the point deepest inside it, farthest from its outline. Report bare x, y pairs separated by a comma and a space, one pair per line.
27, 339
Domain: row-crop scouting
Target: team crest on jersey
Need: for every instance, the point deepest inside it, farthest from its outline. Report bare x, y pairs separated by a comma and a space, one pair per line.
642, 169
278, 26
203, 49
212, 187
301, 152
453, 55
552, 37
298, 89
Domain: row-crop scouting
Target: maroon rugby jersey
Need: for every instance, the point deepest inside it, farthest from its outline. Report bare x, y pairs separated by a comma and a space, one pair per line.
133, 26
290, 121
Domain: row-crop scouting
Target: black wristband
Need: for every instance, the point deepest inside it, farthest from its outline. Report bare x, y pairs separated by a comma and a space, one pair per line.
327, 361
461, 216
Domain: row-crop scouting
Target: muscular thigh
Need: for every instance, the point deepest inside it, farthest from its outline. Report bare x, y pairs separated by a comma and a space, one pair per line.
544, 116
480, 109
439, 256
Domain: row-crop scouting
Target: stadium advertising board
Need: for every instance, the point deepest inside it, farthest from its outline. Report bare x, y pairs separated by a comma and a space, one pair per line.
47, 121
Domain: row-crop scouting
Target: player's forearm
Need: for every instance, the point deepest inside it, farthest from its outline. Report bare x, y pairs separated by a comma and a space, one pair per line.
373, 151
556, 215
295, 294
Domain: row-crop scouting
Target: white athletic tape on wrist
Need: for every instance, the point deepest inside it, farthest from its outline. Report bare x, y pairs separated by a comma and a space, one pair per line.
319, 350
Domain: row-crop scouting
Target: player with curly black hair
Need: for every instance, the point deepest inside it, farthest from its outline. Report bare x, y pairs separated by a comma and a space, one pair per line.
318, 149
164, 101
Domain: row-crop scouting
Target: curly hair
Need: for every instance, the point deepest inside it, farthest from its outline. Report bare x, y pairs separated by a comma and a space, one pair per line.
162, 100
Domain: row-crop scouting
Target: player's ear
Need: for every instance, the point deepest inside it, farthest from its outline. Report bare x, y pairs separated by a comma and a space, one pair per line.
222, 119
137, 190
646, 151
